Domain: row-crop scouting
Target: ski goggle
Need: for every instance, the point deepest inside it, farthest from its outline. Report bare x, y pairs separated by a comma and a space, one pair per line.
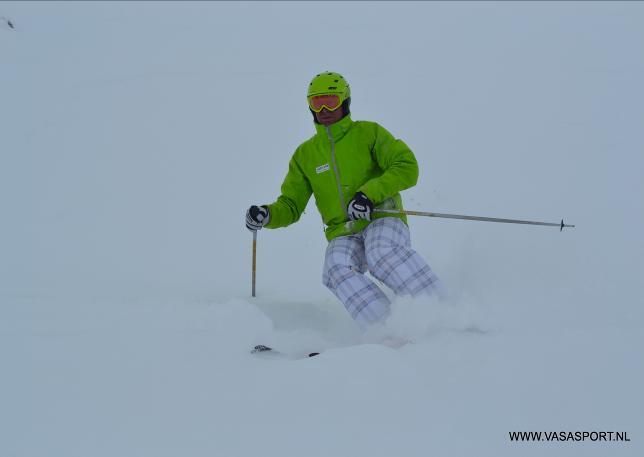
329, 101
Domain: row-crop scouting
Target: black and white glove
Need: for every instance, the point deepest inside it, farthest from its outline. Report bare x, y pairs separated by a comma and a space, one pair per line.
360, 207
257, 217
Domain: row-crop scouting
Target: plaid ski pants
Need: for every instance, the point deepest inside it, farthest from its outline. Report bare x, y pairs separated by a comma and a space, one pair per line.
384, 249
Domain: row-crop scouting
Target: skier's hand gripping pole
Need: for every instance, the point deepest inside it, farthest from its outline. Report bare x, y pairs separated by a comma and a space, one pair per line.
256, 218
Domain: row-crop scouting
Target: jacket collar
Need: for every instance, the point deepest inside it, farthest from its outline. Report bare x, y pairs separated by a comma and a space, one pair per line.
338, 130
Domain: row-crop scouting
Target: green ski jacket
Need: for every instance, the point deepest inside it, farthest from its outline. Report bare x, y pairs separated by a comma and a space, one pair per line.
338, 161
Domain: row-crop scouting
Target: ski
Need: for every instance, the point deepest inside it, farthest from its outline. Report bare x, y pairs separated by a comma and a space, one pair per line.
392, 342
267, 351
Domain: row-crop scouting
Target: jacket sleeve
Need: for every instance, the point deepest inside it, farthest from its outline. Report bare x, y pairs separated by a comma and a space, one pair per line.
296, 192
399, 165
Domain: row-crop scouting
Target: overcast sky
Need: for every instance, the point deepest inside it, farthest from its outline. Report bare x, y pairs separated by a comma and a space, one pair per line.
134, 136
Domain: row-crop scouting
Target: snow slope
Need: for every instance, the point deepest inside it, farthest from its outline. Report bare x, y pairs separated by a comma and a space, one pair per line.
133, 137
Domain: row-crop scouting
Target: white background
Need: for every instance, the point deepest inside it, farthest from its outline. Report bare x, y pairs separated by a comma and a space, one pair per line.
133, 136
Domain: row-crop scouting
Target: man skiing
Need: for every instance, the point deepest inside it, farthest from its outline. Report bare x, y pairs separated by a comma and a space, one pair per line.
353, 168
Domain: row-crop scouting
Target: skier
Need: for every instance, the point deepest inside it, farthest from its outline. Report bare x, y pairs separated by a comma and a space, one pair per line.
353, 168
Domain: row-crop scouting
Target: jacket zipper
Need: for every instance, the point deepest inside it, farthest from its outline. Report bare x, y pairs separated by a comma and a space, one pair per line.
337, 173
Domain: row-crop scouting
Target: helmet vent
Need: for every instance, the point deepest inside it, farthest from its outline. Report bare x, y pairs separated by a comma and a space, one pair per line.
332, 87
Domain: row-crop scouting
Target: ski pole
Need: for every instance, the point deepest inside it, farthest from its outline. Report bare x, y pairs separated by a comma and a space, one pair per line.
561, 225
254, 259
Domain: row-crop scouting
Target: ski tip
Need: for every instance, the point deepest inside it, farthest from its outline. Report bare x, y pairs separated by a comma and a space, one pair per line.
260, 348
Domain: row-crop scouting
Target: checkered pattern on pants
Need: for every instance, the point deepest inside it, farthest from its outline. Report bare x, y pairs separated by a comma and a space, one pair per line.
384, 249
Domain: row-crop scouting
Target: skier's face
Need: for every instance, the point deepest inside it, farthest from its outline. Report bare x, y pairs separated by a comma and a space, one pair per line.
326, 117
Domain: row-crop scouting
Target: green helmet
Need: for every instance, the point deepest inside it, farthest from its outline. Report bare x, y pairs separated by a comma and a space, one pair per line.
329, 83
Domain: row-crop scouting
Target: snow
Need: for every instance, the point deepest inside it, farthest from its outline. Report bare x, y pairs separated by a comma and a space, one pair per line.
134, 136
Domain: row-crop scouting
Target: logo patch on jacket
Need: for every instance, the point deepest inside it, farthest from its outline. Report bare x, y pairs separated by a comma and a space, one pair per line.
322, 168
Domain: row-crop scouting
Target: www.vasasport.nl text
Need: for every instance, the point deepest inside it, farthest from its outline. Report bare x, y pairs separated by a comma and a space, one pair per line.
569, 436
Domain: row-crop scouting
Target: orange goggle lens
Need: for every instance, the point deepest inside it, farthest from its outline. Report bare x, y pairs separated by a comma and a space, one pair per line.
329, 101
